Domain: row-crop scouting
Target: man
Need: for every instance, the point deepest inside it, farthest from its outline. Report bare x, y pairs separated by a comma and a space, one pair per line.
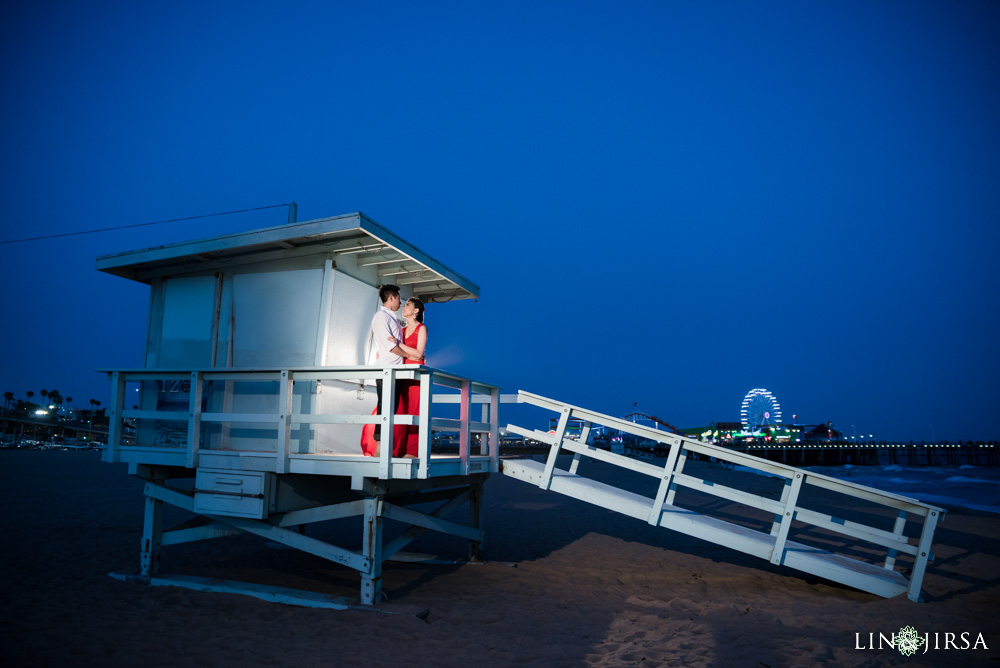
387, 353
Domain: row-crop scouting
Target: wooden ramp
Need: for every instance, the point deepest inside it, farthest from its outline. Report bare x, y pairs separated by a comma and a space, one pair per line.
909, 532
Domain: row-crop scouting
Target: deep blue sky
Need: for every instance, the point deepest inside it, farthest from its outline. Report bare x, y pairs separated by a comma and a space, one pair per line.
665, 203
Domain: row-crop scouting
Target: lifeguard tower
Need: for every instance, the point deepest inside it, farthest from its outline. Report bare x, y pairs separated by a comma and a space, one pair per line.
257, 383
258, 379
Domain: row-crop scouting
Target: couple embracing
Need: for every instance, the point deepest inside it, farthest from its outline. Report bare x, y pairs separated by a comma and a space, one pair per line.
396, 345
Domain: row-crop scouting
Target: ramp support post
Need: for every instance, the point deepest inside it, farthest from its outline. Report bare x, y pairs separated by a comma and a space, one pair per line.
476, 520
923, 555
584, 437
550, 463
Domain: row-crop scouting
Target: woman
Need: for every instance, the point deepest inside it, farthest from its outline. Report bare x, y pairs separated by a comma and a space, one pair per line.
414, 344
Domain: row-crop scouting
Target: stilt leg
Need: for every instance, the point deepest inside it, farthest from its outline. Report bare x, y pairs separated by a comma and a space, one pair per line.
371, 582
476, 519
151, 532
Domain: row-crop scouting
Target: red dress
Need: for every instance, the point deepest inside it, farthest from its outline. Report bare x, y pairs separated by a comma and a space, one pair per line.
411, 391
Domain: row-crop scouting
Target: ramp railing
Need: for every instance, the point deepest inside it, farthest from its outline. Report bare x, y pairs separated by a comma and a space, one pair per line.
910, 532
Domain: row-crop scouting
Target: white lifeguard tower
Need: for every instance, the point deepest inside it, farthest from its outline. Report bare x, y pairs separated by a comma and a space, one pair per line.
257, 382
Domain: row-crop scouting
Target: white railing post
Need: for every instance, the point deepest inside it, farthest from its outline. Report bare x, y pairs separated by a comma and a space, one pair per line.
584, 436
194, 421
677, 468
464, 434
284, 421
424, 436
923, 555
890, 559
495, 429
665, 481
112, 453
387, 416
777, 553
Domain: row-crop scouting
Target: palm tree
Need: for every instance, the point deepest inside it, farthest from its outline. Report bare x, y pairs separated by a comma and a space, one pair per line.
29, 394
7, 398
44, 394
56, 400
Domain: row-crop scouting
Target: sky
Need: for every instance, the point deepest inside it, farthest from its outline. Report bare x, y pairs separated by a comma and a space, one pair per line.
666, 204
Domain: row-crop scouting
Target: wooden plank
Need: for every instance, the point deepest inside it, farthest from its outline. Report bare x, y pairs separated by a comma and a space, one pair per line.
871, 494
845, 570
412, 532
889, 539
250, 418
156, 415
600, 418
322, 513
311, 418
190, 535
409, 516
268, 593
298, 541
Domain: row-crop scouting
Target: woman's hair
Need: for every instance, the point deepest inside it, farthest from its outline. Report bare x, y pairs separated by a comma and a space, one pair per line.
419, 305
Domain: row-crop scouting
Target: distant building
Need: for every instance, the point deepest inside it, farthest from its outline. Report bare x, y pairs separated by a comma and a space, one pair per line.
822, 432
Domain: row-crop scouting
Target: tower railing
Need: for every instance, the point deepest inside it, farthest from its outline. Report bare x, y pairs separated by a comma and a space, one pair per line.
192, 415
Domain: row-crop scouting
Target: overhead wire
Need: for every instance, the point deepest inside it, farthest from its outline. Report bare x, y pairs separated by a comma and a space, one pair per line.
124, 227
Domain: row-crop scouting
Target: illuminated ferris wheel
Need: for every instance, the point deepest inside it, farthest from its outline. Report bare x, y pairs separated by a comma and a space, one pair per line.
759, 408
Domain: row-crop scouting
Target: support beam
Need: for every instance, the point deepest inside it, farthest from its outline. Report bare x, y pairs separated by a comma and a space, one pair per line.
371, 581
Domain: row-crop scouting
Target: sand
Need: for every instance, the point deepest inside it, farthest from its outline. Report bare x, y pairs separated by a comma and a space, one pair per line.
566, 584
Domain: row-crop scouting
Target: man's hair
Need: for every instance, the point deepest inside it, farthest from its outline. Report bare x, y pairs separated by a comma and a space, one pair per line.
386, 291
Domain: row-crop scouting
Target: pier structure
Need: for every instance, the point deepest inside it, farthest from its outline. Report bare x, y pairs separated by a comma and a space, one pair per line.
838, 453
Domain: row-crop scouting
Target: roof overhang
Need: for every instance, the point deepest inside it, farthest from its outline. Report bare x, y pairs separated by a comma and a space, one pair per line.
397, 261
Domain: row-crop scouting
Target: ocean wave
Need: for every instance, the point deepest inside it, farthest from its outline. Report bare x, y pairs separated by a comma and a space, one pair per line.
964, 479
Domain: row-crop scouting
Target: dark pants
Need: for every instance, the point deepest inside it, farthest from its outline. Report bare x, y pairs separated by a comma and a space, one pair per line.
378, 407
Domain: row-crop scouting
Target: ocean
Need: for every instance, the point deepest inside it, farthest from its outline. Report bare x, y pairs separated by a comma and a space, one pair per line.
972, 487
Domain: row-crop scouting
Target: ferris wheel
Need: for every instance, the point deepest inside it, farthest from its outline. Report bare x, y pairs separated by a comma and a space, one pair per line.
759, 408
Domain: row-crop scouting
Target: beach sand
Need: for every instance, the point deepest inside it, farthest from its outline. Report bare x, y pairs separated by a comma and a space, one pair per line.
566, 584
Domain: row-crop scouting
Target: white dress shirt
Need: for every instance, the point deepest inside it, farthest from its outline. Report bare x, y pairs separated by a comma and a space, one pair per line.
384, 325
